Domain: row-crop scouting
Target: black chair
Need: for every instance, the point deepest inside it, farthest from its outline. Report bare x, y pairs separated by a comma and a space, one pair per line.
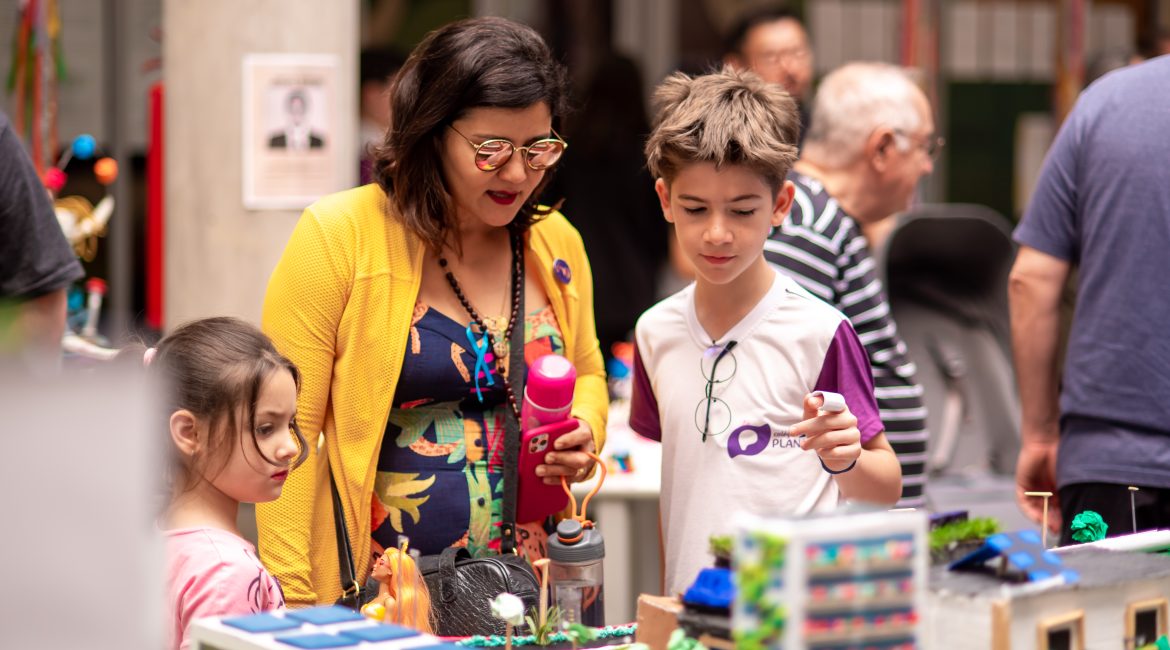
945, 268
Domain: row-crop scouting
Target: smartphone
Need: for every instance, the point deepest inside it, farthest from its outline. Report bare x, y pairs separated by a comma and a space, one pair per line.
534, 499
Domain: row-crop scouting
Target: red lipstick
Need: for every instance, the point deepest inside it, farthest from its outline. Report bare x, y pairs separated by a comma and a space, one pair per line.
503, 198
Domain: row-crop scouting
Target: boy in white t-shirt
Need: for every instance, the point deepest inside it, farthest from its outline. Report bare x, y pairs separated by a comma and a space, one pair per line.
725, 369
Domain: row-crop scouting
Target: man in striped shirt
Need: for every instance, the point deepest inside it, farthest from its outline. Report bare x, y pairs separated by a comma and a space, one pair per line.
872, 139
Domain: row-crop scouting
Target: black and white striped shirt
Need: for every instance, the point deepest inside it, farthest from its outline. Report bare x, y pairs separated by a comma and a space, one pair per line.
823, 249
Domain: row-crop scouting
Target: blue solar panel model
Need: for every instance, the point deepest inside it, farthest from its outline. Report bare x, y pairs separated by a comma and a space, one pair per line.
316, 627
1025, 555
257, 623
325, 615
380, 633
318, 641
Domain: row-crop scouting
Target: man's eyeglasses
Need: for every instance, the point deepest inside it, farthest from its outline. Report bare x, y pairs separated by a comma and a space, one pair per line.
493, 154
932, 144
713, 415
773, 58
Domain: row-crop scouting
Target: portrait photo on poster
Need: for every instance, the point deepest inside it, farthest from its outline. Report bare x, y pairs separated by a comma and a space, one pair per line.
295, 119
290, 126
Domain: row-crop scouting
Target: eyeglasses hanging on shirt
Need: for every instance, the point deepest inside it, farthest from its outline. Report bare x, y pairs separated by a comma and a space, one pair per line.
713, 415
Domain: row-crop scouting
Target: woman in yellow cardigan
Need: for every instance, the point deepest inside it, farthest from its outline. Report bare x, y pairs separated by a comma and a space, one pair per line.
397, 301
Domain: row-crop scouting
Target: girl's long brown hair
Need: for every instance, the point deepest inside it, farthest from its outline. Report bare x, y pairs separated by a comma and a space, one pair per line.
215, 368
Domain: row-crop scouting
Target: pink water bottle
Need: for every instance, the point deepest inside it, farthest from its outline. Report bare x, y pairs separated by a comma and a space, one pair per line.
548, 393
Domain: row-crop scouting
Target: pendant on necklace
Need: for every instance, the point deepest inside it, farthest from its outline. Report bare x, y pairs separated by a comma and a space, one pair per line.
496, 327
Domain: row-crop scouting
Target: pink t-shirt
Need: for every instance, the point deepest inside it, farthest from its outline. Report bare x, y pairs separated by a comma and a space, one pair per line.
211, 572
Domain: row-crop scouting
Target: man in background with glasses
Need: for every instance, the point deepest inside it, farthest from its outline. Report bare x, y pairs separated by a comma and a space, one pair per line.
727, 371
773, 43
872, 139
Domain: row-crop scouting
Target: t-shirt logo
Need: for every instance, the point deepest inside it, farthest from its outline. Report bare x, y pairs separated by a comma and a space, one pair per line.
735, 443
741, 443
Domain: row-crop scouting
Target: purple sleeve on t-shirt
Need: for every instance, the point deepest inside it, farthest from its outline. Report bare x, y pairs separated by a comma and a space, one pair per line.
643, 404
846, 371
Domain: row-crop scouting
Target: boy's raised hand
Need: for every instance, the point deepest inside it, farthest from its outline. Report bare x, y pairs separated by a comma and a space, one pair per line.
834, 436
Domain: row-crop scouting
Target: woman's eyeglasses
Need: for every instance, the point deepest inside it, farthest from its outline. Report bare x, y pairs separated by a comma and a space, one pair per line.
493, 154
713, 415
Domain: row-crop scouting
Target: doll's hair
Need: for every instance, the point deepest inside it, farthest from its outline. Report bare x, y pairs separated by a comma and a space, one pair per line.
215, 368
415, 599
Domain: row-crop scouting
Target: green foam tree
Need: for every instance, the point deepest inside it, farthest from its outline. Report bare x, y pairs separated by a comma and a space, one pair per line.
1088, 526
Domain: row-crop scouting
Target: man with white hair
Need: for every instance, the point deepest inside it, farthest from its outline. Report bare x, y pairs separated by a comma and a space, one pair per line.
772, 42
872, 138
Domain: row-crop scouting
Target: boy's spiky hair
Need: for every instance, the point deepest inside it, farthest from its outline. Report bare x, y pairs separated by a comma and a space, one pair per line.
729, 117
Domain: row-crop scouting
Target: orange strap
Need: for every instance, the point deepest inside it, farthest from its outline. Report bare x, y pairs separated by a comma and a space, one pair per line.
585, 502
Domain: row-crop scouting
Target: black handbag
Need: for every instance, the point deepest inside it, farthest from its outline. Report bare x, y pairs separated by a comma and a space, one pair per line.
462, 587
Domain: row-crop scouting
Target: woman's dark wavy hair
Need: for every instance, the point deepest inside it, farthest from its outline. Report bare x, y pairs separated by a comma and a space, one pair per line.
484, 62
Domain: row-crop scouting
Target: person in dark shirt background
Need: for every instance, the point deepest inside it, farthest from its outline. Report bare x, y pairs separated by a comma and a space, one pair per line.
377, 69
609, 197
36, 263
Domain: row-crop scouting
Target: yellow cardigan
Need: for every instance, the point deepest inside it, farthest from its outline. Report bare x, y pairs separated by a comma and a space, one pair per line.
339, 304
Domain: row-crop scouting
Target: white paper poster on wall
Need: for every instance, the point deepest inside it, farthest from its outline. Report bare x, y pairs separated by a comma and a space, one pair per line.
289, 129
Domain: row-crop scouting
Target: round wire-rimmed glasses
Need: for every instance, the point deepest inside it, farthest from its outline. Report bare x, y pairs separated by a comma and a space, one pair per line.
713, 415
493, 154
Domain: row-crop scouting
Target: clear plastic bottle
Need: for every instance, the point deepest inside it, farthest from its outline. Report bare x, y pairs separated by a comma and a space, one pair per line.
575, 570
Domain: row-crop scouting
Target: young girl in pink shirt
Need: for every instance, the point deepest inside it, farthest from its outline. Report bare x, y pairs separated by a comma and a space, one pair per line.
231, 414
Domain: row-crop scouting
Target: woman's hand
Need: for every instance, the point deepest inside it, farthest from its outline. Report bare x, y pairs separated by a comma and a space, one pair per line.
568, 457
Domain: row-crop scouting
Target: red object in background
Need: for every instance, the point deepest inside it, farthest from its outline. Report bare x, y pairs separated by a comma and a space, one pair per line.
910, 33
154, 211
54, 179
95, 285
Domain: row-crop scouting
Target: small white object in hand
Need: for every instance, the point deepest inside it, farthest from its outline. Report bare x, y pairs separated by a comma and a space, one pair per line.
833, 402
508, 608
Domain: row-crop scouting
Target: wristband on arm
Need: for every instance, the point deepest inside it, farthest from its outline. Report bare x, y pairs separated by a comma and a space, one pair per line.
837, 471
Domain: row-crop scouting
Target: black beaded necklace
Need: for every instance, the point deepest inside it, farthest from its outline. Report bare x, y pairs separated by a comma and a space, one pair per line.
497, 345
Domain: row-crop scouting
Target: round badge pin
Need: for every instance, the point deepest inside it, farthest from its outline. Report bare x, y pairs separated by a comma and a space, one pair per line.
562, 271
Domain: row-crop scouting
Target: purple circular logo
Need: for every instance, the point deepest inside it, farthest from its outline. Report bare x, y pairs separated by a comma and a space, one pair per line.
763, 435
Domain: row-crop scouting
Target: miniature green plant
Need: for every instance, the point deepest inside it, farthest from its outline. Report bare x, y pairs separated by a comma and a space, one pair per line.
1163, 643
543, 632
720, 545
578, 634
680, 641
754, 577
944, 536
1088, 526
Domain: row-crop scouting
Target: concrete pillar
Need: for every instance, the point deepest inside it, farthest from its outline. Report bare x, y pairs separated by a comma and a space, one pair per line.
219, 255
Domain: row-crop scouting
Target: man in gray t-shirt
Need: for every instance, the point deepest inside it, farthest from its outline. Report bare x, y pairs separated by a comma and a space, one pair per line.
36, 263
1102, 204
